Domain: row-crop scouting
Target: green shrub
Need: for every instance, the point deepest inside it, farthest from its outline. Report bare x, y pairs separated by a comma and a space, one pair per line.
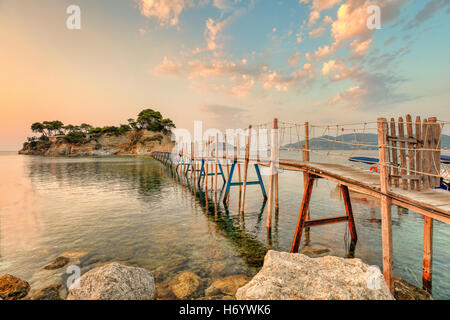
75, 137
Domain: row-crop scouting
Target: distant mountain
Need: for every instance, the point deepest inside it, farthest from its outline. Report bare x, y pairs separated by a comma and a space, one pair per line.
330, 143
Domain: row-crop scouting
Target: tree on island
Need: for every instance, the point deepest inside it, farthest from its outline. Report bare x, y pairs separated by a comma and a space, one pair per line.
152, 120
148, 119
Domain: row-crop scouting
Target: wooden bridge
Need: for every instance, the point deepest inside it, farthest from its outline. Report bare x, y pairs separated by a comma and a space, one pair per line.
409, 173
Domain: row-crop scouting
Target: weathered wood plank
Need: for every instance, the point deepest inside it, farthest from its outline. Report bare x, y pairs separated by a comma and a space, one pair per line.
394, 154
247, 156
273, 152
386, 219
349, 210
324, 221
401, 134
419, 152
411, 155
302, 215
427, 266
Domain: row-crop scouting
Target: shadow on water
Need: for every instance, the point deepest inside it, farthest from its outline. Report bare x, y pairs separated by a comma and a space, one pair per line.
233, 227
245, 244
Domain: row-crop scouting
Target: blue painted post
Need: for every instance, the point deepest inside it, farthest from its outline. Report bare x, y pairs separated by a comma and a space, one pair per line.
227, 189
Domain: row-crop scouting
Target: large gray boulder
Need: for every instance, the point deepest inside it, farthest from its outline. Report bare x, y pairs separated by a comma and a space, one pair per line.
287, 276
114, 282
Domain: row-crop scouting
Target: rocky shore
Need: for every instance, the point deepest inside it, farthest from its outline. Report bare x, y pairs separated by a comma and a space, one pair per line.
283, 276
133, 143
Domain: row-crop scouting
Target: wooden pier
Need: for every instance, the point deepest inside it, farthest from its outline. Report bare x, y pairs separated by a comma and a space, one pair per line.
409, 173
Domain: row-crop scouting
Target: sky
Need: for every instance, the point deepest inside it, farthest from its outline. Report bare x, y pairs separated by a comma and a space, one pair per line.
229, 63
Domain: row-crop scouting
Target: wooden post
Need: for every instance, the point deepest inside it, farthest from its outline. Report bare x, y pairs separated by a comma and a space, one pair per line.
238, 154
305, 157
411, 158
302, 215
427, 265
418, 151
386, 218
192, 166
211, 156
273, 152
275, 175
401, 135
206, 169
226, 157
435, 162
394, 153
247, 156
216, 165
426, 133
349, 210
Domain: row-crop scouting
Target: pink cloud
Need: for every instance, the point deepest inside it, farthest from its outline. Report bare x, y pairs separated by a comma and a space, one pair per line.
166, 11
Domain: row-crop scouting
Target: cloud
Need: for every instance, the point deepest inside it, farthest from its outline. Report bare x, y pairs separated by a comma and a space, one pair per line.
427, 13
166, 11
337, 70
237, 79
313, 17
212, 30
352, 18
360, 47
169, 67
242, 85
293, 61
225, 4
373, 90
390, 40
322, 52
320, 5
225, 116
316, 33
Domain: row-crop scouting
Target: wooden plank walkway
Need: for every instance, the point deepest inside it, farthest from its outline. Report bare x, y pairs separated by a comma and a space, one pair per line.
431, 203
409, 173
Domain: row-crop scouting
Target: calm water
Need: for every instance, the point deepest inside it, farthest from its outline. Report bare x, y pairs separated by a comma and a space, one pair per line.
134, 211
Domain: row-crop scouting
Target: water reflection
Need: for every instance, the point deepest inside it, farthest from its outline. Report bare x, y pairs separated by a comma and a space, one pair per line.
139, 212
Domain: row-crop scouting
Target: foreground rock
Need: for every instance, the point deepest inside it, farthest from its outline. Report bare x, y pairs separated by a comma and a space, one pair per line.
286, 276
13, 288
185, 284
114, 282
407, 291
226, 286
52, 292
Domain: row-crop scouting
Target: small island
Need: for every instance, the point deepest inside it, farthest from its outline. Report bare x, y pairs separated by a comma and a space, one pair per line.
138, 137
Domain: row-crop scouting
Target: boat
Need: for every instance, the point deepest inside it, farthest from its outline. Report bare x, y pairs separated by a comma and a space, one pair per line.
445, 172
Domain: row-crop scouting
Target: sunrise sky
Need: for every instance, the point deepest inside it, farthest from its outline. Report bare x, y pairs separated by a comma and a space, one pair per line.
226, 62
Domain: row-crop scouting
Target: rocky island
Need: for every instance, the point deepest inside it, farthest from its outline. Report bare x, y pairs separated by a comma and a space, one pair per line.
139, 137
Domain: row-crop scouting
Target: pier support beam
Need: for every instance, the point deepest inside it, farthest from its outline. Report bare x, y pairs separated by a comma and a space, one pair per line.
304, 222
302, 217
273, 176
427, 254
386, 215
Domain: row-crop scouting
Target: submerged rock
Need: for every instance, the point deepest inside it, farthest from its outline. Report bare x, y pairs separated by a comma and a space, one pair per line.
217, 270
46, 277
314, 251
407, 291
13, 288
114, 282
163, 291
185, 284
227, 286
52, 292
286, 276
57, 263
